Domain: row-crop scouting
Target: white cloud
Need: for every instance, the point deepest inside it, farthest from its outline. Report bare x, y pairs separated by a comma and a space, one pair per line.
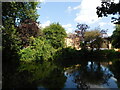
102, 24
77, 7
68, 28
47, 23
67, 25
87, 12
116, 1
37, 8
39, 0
69, 9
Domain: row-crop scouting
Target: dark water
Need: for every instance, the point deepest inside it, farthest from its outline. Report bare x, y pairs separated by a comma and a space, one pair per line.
90, 78
49, 75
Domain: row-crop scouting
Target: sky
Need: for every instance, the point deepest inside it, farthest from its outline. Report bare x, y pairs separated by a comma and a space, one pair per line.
68, 14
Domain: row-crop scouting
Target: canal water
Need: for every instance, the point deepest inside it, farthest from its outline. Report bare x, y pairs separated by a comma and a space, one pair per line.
103, 78
90, 75
84, 75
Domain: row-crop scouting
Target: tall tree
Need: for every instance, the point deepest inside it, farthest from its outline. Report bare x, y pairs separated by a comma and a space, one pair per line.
81, 29
94, 39
107, 8
19, 11
55, 34
28, 29
11, 11
116, 37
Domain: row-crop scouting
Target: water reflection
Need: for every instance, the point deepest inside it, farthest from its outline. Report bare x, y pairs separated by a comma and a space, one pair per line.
85, 75
92, 75
34, 75
115, 68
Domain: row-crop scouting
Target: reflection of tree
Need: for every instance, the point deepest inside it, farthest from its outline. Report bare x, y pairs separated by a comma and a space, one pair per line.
115, 68
93, 74
32, 75
55, 79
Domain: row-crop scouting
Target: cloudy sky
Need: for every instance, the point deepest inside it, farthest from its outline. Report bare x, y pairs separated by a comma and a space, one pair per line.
68, 14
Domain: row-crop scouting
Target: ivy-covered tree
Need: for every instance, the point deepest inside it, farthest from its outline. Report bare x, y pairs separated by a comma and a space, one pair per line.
55, 34
116, 37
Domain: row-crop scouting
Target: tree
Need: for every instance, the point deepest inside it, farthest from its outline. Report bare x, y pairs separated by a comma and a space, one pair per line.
93, 38
116, 37
81, 29
19, 11
109, 8
55, 34
11, 11
27, 29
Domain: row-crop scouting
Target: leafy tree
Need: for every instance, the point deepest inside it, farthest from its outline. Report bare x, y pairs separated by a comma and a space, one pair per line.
81, 29
116, 37
93, 38
10, 47
19, 11
27, 29
11, 11
55, 34
109, 8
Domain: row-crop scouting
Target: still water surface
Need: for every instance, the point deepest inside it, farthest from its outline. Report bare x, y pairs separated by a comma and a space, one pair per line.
108, 80
84, 75
91, 75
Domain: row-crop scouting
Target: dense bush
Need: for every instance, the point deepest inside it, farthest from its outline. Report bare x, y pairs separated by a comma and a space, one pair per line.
69, 56
66, 56
40, 50
110, 54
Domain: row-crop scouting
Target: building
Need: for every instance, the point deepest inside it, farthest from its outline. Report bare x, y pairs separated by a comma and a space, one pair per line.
72, 40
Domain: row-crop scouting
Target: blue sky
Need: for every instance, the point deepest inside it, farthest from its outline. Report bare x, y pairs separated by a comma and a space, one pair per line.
68, 14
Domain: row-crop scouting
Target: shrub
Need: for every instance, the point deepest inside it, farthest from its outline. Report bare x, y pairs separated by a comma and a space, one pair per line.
40, 50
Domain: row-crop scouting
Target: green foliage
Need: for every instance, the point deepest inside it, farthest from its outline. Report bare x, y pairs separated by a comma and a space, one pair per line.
67, 56
116, 37
27, 29
11, 11
109, 7
55, 34
93, 39
19, 10
10, 47
91, 35
40, 50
